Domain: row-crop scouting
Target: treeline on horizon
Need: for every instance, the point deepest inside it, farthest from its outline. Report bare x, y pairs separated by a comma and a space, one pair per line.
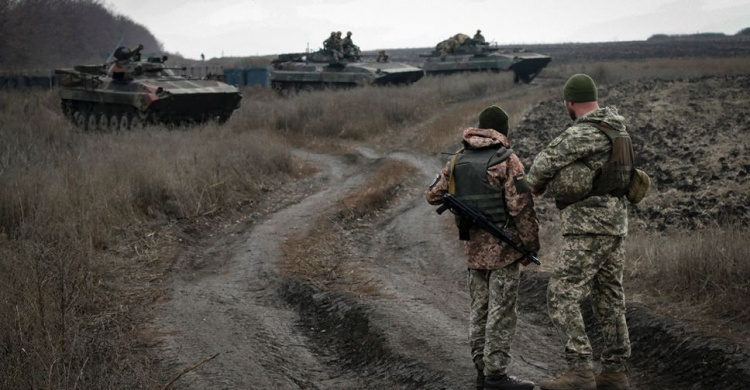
44, 34
745, 32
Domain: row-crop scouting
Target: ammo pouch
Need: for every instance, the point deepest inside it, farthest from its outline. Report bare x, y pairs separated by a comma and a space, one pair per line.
468, 182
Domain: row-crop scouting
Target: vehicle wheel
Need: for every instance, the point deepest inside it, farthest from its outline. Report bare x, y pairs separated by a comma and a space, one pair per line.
114, 122
102, 121
67, 109
136, 122
92, 121
124, 124
79, 118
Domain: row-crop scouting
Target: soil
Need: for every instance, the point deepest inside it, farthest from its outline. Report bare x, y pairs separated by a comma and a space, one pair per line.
275, 332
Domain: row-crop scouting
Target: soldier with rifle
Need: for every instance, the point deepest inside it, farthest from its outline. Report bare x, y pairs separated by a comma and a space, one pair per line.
477, 185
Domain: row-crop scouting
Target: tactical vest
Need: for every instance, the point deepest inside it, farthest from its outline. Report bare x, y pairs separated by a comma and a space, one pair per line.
468, 183
613, 177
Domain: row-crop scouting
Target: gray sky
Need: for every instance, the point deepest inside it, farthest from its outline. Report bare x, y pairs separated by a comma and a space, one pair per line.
257, 27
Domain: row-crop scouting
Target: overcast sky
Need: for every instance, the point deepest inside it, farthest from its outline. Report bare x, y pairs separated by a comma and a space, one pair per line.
258, 27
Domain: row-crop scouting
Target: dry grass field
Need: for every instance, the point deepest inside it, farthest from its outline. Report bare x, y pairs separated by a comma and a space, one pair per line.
90, 223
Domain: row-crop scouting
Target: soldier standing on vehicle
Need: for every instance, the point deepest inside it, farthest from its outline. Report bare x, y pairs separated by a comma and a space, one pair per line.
594, 225
482, 174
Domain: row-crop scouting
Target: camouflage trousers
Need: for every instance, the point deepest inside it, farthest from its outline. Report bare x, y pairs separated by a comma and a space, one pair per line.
494, 297
590, 263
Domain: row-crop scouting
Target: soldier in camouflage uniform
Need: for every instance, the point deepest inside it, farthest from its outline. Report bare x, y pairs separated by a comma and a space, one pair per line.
493, 269
479, 38
332, 46
593, 252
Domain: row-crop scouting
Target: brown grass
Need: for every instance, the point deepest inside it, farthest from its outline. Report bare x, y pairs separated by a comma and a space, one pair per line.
324, 256
706, 269
75, 207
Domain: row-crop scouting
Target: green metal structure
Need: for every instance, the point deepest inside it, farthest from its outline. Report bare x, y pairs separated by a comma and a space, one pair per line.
322, 69
134, 92
463, 54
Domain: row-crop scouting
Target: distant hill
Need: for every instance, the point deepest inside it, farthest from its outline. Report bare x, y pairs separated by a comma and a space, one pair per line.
44, 34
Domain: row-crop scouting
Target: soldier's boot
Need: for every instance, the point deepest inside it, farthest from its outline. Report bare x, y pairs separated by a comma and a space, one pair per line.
612, 381
506, 382
480, 379
479, 364
571, 380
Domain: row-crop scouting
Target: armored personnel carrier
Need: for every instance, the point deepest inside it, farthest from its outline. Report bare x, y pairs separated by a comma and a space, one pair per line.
132, 92
460, 53
325, 69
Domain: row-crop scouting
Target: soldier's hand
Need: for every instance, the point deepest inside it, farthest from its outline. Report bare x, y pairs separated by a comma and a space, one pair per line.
526, 261
537, 191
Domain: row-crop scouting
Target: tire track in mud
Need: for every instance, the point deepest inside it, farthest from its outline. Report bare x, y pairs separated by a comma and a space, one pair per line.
232, 306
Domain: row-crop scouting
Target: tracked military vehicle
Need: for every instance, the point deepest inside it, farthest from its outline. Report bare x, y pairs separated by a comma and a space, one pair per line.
130, 92
325, 69
463, 54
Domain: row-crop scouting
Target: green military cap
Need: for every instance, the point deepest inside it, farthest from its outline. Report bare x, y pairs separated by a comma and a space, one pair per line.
494, 117
580, 88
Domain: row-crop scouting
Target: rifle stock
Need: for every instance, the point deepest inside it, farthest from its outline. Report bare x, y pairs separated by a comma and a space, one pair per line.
477, 218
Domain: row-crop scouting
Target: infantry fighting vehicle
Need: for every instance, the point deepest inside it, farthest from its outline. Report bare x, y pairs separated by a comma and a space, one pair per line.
133, 92
463, 54
322, 69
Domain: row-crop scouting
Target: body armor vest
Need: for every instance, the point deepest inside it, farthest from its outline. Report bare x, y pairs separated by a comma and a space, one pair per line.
469, 183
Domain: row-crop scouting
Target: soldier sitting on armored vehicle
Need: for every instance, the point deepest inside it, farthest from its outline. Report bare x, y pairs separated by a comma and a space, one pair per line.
332, 46
119, 71
479, 38
382, 57
351, 51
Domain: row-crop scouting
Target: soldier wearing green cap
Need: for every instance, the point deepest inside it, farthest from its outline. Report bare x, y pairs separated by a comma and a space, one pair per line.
594, 226
481, 174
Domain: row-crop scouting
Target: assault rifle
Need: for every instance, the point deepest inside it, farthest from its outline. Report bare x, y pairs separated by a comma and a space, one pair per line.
463, 210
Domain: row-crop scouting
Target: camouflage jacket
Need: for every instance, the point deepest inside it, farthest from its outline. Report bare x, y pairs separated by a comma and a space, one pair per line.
483, 250
604, 214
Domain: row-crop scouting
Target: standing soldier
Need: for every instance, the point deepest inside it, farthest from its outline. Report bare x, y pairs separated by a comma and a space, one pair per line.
481, 174
594, 219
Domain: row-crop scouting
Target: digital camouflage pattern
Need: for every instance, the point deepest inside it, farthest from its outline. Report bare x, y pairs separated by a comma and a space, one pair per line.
492, 322
593, 253
571, 184
583, 142
594, 262
483, 250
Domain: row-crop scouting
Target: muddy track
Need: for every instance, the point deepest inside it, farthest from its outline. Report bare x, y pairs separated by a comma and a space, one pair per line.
276, 333
273, 332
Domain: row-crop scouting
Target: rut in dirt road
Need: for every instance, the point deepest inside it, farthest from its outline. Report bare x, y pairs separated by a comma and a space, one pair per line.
230, 306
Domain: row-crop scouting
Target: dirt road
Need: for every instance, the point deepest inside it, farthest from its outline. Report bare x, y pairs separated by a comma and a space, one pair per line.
273, 332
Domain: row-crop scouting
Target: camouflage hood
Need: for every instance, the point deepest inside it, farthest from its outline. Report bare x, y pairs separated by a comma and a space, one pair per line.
606, 114
476, 138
